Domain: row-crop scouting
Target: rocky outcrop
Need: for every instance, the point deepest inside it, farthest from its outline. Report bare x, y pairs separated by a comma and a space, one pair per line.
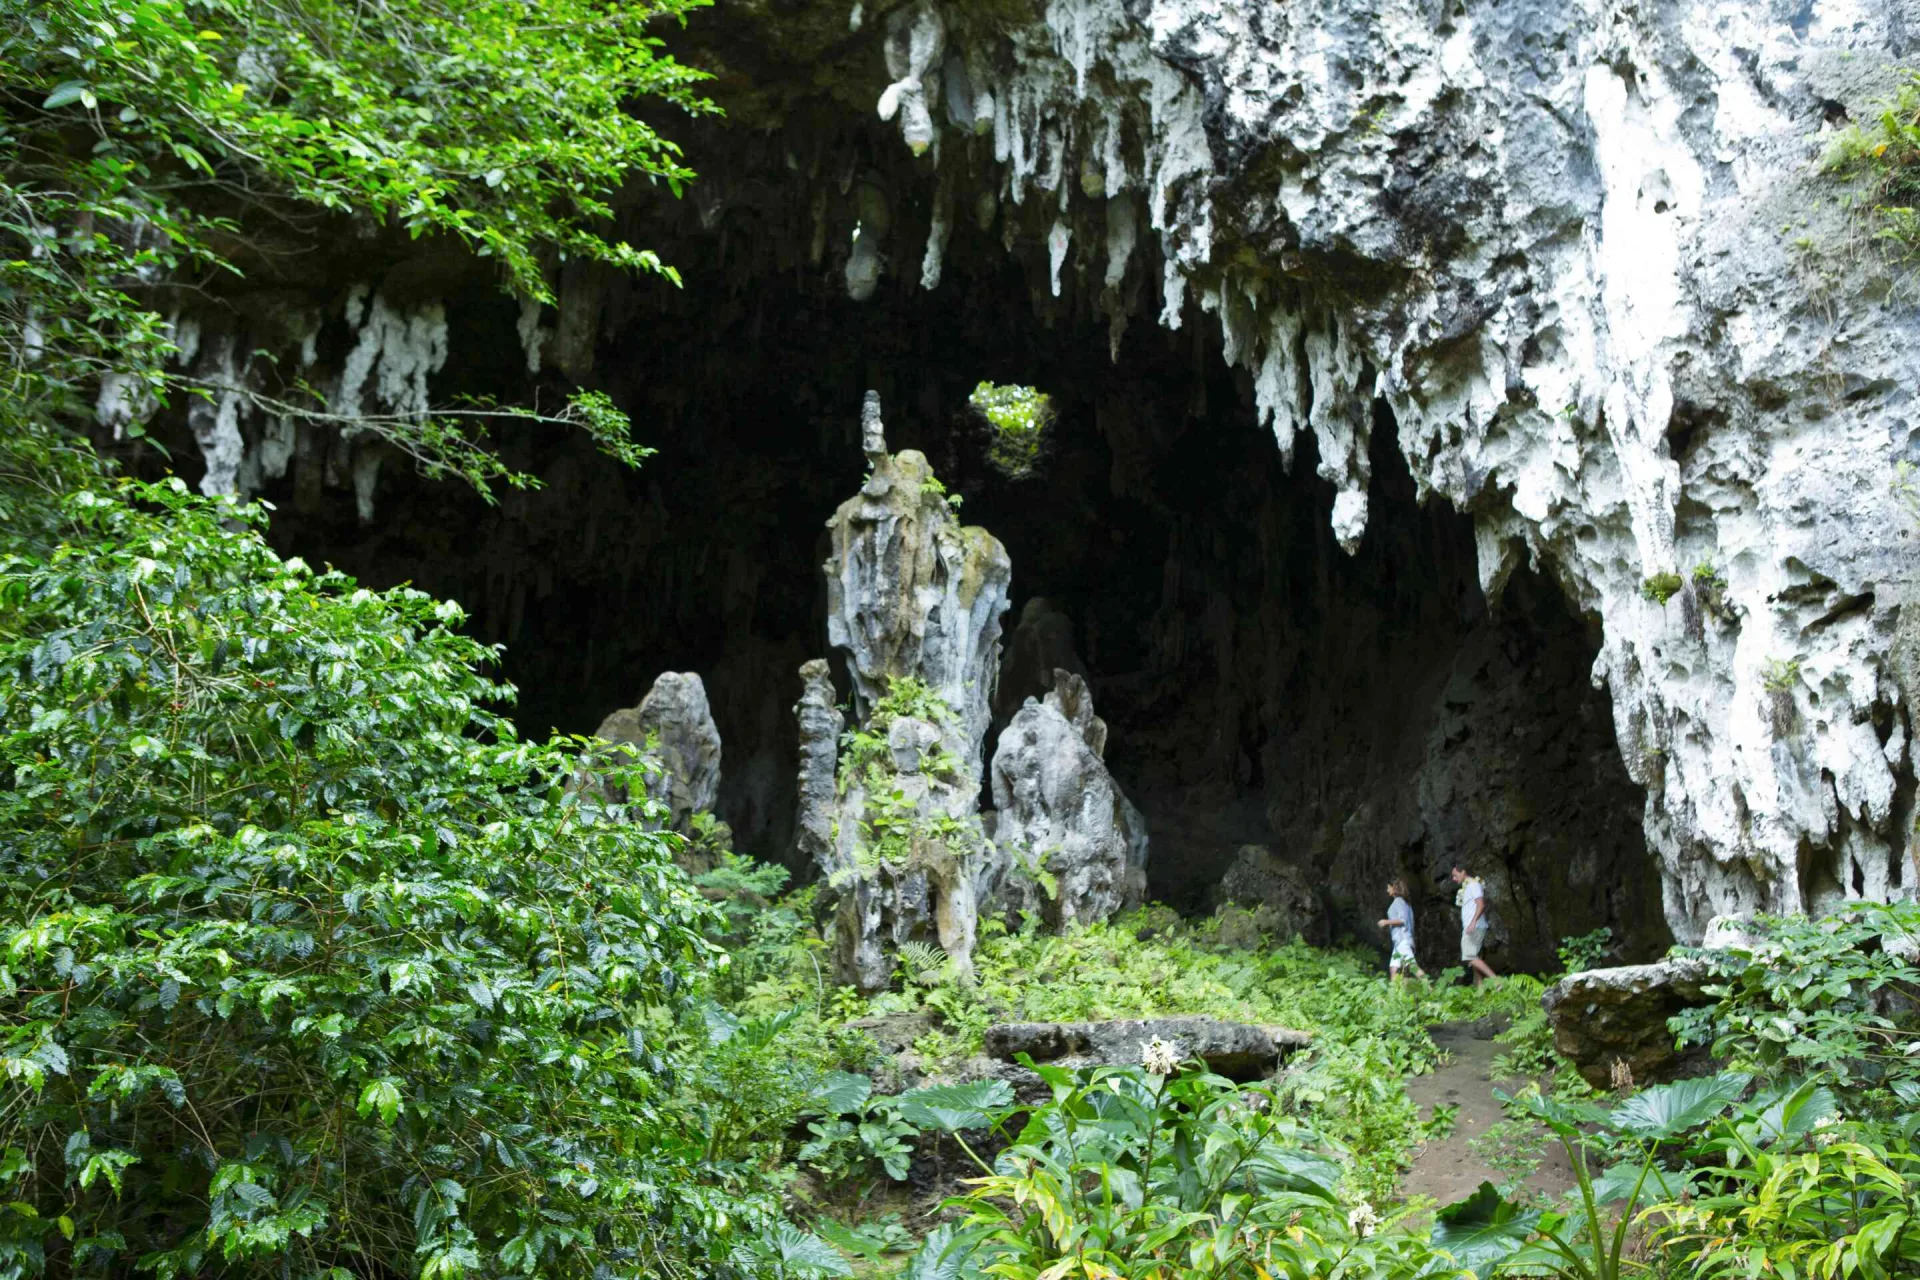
674, 743
1236, 1050
820, 725
1060, 818
914, 601
914, 594
673, 735
1606, 1021
1583, 263
1277, 891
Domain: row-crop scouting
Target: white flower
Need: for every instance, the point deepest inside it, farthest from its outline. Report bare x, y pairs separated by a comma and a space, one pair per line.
1161, 1057
1362, 1221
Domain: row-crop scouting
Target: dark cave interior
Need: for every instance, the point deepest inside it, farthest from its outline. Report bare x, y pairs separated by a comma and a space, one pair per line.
1363, 715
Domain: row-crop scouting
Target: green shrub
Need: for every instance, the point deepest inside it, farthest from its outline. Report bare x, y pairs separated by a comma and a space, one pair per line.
1884, 154
1661, 587
310, 963
1795, 1193
857, 1134
1830, 996
1158, 1173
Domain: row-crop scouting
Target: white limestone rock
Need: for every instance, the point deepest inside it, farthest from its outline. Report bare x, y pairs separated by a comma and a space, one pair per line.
911, 595
911, 592
820, 725
1565, 244
673, 728
1060, 816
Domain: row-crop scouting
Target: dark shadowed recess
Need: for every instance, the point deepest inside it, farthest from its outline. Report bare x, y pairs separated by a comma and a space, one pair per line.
1362, 715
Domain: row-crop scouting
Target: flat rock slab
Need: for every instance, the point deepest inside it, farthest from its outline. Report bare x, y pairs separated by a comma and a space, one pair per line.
1237, 1050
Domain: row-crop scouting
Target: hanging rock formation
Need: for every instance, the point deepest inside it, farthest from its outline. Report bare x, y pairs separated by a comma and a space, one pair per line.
1579, 265
1587, 261
914, 601
1060, 819
685, 744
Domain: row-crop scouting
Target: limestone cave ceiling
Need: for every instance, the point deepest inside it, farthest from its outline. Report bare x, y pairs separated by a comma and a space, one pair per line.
1368, 432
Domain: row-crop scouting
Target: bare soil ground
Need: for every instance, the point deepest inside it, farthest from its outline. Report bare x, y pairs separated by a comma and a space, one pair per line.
1451, 1168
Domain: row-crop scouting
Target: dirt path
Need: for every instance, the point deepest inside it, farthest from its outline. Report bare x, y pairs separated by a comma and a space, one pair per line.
1450, 1168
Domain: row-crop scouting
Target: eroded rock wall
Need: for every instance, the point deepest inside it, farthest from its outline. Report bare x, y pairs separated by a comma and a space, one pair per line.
1572, 265
1583, 254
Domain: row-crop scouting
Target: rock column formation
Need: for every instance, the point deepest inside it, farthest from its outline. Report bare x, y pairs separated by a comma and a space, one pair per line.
1061, 820
914, 601
674, 736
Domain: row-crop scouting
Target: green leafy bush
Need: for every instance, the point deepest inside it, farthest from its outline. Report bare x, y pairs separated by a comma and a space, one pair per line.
1796, 1193
1833, 997
858, 1134
1175, 1176
310, 963
1884, 153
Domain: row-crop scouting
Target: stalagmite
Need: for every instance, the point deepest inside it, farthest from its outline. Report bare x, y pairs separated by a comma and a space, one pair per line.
672, 730
1063, 822
914, 602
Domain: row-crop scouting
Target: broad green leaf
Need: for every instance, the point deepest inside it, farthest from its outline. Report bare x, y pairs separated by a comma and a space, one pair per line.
951, 1108
1668, 1110
942, 1256
805, 1254
65, 94
1483, 1230
839, 1092
1617, 1183
382, 1096
1794, 1113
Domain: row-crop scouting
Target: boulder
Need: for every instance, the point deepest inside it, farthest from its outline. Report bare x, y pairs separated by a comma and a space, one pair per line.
1276, 892
1605, 1018
1236, 1050
1060, 817
685, 744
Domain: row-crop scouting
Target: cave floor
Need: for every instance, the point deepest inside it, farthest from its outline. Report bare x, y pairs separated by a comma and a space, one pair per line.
1449, 1169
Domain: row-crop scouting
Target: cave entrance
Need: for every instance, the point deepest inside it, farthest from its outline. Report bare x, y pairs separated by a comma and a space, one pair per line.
1357, 716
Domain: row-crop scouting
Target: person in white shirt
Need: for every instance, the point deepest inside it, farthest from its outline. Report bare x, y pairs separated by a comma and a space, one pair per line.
1399, 924
1473, 923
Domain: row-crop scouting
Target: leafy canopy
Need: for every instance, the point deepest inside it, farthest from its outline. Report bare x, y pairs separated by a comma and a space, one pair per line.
309, 963
148, 149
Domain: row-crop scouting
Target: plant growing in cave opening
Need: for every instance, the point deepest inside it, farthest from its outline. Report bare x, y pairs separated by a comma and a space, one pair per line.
1018, 418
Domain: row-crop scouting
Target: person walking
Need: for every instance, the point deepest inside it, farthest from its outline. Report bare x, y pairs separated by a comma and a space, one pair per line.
1473, 923
1399, 925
